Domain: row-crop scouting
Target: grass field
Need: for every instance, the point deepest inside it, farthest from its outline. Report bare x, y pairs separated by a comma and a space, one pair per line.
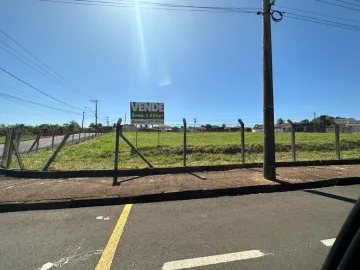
165, 149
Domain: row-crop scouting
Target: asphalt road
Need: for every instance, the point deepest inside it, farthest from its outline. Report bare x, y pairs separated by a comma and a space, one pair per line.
46, 142
265, 231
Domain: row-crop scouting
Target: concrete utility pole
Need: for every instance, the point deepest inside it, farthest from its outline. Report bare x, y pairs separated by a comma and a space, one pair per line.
96, 110
82, 123
125, 119
268, 96
107, 120
194, 123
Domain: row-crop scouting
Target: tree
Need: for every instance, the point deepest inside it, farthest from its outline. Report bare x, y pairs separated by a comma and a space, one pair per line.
208, 127
175, 129
280, 121
248, 129
74, 124
92, 125
305, 121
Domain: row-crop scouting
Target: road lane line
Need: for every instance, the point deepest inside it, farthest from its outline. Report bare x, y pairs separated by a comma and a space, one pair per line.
216, 259
109, 251
328, 242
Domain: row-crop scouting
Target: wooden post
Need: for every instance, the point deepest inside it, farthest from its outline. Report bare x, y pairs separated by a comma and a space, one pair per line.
337, 141
7, 147
135, 150
52, 140
57, 150
293, 150
34, 143
184, 151
116, 161
242, 131
37, 142
72, 139
17, 153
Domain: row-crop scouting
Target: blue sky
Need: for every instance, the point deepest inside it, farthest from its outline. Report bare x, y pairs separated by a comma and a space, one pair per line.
200, 64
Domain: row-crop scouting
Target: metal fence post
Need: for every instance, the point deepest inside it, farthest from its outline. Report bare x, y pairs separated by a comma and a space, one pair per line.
293, 150
184, 151
242, 131
337, 141
158, 139
117, 140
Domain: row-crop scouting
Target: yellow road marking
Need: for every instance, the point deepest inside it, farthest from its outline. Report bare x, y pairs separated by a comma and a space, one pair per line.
109, 251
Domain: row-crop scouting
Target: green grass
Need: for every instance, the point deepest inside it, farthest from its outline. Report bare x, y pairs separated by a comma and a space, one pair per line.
204, 149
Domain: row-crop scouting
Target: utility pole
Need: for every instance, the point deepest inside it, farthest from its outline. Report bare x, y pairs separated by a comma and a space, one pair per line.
107, 120
194, 123
268, 96
96, 110
125, 119
82, 123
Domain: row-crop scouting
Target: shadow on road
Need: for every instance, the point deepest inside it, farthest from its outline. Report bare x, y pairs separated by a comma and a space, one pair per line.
321, 193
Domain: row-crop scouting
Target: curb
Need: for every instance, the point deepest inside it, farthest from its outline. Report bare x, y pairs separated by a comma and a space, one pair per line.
172, 196
163, 170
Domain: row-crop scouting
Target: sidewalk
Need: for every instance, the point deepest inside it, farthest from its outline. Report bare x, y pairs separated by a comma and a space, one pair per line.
26, 194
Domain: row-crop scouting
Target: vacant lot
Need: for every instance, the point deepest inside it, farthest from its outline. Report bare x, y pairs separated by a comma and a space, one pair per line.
166, 148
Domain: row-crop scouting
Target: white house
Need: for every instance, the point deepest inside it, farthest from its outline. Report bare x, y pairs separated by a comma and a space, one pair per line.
286, 127
258, 128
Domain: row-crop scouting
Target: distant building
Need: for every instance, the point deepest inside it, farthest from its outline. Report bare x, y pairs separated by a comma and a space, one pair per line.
232, 129
130, 128
196, 129
163, 128
258, 128
286, 127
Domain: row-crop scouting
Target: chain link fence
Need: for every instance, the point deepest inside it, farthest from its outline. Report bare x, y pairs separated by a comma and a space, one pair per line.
179, 144
32, 148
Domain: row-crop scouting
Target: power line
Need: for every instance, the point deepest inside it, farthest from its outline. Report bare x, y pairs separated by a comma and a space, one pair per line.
319, 22
154, 5
35, 103
36, 58
42, 92
349, 26
348, 3
34, 68
18, 91
317, 13
338, 5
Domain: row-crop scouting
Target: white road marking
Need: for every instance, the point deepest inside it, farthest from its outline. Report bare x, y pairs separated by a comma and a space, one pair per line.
47, 266
216, 259
102, 218
328, 242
